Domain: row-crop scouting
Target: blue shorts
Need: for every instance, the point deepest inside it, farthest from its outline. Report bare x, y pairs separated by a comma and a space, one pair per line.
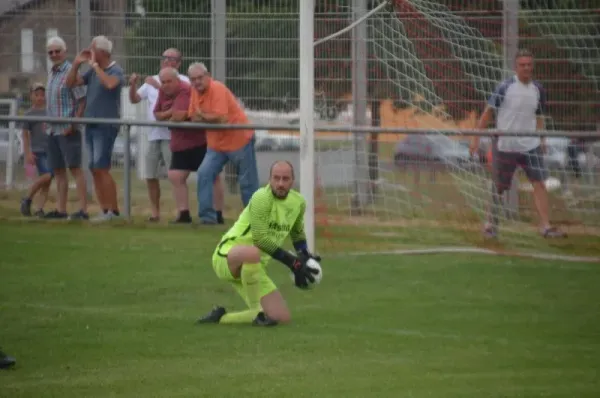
41, 163
100, 140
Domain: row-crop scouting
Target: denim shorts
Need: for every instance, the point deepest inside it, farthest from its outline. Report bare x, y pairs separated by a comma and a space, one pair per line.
100, 140
41, 163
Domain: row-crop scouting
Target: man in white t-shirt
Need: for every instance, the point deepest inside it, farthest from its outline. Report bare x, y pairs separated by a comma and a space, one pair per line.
158, 137
519, 103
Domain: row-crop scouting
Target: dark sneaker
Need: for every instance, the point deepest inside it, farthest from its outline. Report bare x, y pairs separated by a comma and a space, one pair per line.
80, 215
6, 361
26, 207
214, 316
263, 320
40, 213
182, 220
489, 232
153, 219
553, 232
55, 215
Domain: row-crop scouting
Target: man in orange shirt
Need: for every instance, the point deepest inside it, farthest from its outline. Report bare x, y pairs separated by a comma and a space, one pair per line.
212, 102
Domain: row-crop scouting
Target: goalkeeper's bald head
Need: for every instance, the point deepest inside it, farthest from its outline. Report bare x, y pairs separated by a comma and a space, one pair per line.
282, 163
281, 178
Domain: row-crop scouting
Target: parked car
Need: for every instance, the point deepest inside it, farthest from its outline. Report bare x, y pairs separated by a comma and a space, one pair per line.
4, 147
266, 141
118, 155
431, 151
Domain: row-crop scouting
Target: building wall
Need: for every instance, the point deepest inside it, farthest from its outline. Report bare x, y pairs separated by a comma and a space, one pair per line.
39, 17
108, 18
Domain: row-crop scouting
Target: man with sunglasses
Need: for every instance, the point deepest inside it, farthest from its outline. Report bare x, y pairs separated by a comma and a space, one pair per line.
158, 137
64, 141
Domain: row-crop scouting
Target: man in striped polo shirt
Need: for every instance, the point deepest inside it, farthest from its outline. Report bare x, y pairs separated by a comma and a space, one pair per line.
64, 143
519, 103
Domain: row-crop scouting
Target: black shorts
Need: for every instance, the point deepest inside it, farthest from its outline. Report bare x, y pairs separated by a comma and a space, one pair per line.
532, 163
188, 159
64, 151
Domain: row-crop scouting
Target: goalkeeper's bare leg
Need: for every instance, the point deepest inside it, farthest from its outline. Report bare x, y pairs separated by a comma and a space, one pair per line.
243, 269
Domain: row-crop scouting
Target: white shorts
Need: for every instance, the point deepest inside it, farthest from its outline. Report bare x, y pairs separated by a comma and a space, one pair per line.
158, 159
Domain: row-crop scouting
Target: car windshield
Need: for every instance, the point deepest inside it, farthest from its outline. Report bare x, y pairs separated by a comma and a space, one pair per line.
445, 144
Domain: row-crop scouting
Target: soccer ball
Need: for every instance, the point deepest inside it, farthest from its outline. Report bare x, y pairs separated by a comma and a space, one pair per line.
314, 264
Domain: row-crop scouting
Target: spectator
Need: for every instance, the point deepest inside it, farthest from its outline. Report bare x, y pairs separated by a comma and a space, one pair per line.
103, 80
64, 141
158, 137
520, 103
35, 145
187, 145
212, 102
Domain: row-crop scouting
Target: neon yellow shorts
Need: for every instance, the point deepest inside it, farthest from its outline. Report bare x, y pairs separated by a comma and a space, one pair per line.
219, 263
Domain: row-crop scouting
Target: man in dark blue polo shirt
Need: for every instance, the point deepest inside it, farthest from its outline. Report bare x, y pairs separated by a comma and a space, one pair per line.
104, 81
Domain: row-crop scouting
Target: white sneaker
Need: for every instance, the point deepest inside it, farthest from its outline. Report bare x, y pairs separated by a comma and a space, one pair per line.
104, 217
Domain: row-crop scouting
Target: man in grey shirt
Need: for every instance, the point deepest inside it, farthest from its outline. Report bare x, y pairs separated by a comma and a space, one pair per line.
104, 81
35, 146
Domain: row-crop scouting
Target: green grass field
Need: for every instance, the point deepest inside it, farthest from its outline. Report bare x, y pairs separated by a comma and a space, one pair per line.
109, 311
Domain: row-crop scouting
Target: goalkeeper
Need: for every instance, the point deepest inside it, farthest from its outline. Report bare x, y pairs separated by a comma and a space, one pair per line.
274, 212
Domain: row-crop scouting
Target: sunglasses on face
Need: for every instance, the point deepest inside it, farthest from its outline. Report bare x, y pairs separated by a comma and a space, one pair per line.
53, 52
168, 58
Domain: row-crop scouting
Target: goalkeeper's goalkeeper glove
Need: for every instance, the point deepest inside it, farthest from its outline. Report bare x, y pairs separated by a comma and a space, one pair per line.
303, 274
306, 254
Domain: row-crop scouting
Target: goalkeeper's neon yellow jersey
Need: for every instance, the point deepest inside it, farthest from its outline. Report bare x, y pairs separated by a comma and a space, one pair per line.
267, 221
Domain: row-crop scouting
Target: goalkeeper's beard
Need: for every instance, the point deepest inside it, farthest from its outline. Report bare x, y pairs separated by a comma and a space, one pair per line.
284, 193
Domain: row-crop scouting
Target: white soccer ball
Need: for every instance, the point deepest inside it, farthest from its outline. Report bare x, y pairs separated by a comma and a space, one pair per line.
314, 264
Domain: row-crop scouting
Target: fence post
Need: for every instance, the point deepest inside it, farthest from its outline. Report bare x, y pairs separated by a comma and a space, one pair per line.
359, 105
10, 152
83, 28
510, 33
218, 65
374, 144
127, 176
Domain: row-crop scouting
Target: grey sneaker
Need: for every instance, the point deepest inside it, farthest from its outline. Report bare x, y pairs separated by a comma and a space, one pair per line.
553, 232
26, 207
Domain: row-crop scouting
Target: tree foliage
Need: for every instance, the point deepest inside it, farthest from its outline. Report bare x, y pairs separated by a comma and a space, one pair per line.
183, 24
262, 45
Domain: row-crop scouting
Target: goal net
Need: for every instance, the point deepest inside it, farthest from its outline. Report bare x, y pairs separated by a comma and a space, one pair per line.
432, 65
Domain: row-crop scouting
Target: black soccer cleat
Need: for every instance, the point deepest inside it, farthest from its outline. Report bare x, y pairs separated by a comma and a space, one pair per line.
263, 320
214, 316
6, 361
